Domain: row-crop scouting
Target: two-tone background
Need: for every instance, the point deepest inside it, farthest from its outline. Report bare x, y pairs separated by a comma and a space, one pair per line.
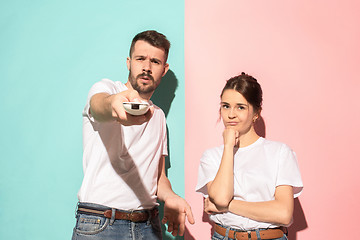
305, 54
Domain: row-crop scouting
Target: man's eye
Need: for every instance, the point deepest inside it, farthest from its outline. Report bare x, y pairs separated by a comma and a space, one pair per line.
224, 106
156, 62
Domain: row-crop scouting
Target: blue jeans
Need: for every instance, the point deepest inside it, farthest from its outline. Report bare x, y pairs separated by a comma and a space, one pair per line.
217, 236
91, 227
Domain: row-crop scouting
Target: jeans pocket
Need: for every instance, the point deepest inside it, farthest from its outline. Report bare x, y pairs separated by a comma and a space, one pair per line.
89, 225
217, 236
284, 237
156, 225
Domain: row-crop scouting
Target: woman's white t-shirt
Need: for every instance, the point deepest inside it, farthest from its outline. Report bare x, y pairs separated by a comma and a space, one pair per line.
258, 169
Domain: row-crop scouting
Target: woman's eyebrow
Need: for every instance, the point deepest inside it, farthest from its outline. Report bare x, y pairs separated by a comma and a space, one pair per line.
238, 104
242, 104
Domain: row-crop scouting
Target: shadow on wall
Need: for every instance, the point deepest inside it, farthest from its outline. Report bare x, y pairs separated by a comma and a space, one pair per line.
163, 97
299, 223
165, 92
260, 128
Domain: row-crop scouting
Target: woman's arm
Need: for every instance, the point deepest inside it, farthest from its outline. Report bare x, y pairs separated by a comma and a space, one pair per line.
221, 189
278, 211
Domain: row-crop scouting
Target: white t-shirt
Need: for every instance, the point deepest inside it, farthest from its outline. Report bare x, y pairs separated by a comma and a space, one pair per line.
258, 169
121, 163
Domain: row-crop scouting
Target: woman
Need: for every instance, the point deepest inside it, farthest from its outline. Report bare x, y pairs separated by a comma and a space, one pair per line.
249, 183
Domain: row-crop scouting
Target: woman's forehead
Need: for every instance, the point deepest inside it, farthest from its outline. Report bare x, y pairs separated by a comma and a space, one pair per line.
231, 96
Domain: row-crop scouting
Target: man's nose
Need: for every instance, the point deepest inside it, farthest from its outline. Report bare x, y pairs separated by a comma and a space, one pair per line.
147, 66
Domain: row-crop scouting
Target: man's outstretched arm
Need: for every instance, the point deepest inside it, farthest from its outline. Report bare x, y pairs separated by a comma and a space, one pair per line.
105, 107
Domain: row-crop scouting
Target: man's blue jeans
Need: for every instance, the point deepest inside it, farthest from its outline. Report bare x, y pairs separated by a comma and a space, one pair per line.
102, 228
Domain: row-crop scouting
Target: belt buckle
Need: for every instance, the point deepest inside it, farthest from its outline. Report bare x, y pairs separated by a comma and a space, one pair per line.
130, 215
249, 235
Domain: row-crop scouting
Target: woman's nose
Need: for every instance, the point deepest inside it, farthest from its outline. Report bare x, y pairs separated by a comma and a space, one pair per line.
231, 113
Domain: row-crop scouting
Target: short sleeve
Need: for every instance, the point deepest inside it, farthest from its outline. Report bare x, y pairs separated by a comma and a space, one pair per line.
288, 172
106, 86
164, 138
207, 171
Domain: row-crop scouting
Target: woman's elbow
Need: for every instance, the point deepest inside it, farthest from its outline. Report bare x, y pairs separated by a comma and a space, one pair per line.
285, 217
220, 202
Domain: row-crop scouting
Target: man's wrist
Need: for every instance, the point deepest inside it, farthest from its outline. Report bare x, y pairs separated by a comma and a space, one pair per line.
169, 196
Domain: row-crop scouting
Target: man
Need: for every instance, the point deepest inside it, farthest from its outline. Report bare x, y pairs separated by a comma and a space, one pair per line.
124, 155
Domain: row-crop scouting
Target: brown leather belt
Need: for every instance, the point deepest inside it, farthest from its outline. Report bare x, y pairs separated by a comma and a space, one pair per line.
134, 216
243, 235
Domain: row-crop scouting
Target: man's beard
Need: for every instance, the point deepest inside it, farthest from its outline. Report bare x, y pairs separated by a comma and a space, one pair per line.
144, 89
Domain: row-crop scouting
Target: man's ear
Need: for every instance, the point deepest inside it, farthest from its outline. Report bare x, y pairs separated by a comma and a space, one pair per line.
166, 68
128, 63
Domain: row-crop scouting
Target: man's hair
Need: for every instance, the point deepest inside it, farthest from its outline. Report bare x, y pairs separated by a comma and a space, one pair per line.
154, 38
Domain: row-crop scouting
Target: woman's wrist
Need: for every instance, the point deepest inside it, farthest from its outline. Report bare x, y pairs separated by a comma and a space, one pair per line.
228, 147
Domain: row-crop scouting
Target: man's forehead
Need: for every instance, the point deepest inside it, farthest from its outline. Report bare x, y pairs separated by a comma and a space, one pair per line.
144, 48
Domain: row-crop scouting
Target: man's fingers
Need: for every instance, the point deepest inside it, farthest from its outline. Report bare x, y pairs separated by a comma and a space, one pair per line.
181, 223
175, 231
170, 227
189, 215
182, 229
133, 96
120, 114
164, 220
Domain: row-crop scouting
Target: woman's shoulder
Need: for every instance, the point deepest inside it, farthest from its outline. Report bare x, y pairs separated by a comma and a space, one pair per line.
213, 152
276, 145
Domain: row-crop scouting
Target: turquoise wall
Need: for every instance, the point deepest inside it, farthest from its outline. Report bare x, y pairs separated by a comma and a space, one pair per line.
51, 54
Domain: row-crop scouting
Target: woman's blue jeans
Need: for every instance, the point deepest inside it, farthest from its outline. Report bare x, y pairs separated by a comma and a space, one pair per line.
91, 227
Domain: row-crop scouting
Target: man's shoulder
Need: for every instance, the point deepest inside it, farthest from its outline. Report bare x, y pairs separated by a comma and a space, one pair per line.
116, 84
109, 86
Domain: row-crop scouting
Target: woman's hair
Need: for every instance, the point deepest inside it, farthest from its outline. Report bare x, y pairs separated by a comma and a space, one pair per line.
247, 86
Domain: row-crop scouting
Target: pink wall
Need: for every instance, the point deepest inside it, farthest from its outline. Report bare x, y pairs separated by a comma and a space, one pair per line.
306, 56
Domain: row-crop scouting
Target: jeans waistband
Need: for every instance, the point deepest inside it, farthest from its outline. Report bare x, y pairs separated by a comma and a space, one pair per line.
104, 208
116, 214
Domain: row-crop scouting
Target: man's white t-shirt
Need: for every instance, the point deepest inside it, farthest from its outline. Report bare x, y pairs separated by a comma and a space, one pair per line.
121, 163
258, 169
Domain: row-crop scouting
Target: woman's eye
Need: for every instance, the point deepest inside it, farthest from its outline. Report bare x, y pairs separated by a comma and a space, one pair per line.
224, 106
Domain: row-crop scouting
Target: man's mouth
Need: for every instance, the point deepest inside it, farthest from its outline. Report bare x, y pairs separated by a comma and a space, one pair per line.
146, 77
